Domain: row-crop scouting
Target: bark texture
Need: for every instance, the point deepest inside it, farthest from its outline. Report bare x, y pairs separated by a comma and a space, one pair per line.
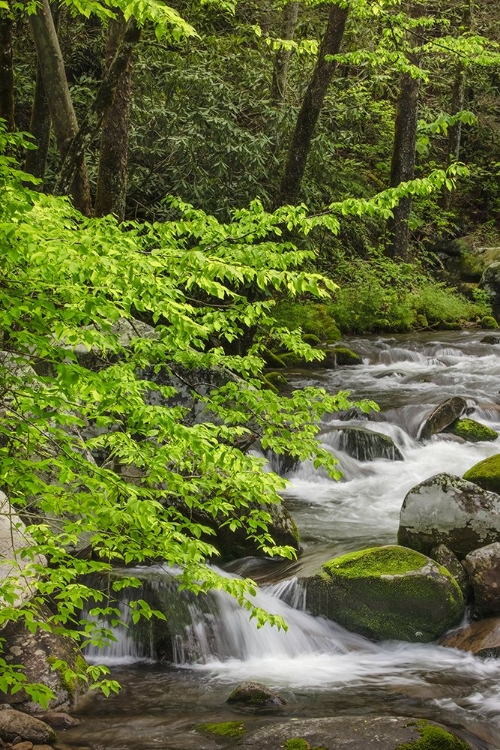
40, 129
6, 71
100, 106
113, 158
59, 101
311, 107
282, 59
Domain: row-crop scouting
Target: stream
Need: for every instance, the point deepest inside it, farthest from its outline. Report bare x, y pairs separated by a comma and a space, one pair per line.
318, 667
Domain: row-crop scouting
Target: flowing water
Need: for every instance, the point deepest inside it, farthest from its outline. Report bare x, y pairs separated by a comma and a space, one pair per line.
320, 669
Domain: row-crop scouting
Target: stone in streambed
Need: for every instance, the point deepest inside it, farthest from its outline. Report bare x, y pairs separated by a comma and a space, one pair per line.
17, 724
486, 474
255, 694
365, 445
354, 733
472, 431
387, 593
444, 556
482, 638
452, 511
483, 568
442, 416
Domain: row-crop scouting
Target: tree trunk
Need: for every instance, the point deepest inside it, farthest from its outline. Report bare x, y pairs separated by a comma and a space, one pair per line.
58, 98
36, 159
103, 100
311, 107
282, 59
6, 70
403, 163
113, 159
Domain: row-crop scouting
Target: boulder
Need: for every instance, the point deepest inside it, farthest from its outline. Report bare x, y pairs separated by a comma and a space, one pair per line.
483, 568
481, 638
363, 444
38, 652
490, 339
490, 282
486, 474
448, 510
353, 733
472, 431
387, 593
444, 556
442, 416
255, 694
17, 724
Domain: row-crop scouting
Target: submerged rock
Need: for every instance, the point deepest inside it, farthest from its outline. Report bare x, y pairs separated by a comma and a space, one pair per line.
387, 593
472, 431
442, 416
486, 474
481, 638
17, 724
255, 694
354, 733
483, 567
448, 510
365, 445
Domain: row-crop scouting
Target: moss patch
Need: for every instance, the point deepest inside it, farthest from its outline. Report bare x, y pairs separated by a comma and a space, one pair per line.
486, 474
376, 561
489, 322
472, 431
313, 318
232, 729
298, 743
345, 356
434, 738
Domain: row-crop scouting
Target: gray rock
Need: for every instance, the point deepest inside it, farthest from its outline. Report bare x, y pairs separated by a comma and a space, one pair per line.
352, 733
444, 556
17, 724
364, 444
481, 638
490, 282
483, 567
452, 511
386, 593
442, 416
255, 694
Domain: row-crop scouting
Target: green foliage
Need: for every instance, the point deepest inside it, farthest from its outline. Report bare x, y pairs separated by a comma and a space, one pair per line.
107, 456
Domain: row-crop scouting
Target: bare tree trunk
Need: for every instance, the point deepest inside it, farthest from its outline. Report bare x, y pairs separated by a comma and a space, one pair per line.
311, 107
59, 101
6, 70
36, 159
102, 102
111, 191
403, 163
282, 59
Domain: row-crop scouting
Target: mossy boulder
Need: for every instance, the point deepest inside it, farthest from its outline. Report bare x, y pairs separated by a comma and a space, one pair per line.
223, 729
452, 511
486, 474
489, 322
491, 339
344, 356
442, 416
255, 694
387, 593
354, 733
315, 319
472, 431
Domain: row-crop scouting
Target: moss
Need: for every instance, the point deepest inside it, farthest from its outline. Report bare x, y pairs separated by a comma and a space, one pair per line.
433, 737
69, 680
313, 318
345, 356
233, 729
391, 560
489, 322
473, 431
449, 325
421, 321
486, 474
298, 743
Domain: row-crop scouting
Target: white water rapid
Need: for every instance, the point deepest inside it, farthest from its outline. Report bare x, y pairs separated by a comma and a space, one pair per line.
322, 669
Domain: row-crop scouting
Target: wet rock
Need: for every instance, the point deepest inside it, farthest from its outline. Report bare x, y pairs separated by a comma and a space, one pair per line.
58, 719
448, 510
255, 694
481, 638
386, 593
354, 733
17, 724
472, 431
344, 356
444, 556
363, 444
486, 474
23, 746
442, 416
490, 282
37, 652
490, 339
483, 568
